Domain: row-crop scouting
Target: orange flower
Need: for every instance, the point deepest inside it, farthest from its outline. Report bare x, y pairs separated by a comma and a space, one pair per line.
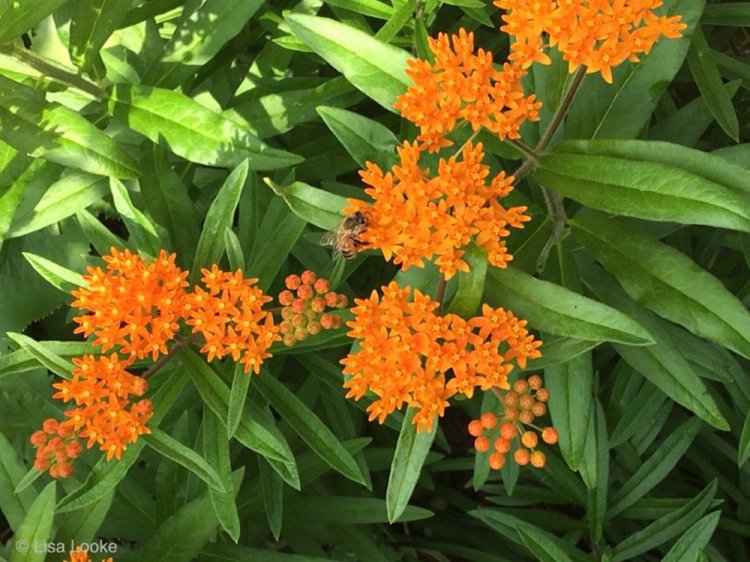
102, 390
133, 305
414, 217
462, 85
79, 555
598, 34
230, 316
409, 355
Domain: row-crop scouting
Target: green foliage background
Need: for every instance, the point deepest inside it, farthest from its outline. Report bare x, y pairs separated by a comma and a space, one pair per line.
231, 131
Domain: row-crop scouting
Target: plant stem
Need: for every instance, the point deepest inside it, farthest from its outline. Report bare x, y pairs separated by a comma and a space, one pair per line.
181, 342
440, 293
53, 71
557, 120
521, 147
556, 209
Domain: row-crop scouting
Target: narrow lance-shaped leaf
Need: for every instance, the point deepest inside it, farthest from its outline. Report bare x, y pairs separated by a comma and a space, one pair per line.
191, 130
408, 458
20, 17
36, 528
374, 67
315, 206
14, 505
216, 450
665, 280
92, 23
470, 288
363, 138
694, 539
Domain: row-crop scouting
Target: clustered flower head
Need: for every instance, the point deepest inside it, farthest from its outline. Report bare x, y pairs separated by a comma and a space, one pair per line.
410, 355
597, 34
105, 413
304, 304
229, 315
462, 85
133, 305
523, 404
415, 216
81, 555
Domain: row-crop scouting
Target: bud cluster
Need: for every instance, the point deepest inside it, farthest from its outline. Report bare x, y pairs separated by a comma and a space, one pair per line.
57, 446
304, 304
525, 402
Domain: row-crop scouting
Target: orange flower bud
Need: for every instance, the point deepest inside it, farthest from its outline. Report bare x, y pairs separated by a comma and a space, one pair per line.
535, 382
482, 444
308, 277
542, 395
529, 439
475, 428
539, 409
341, 301
510, 414
64, 469
50, 426
321, 286
300, 334
550, 435
502, 445
327, 321
286, 298
521, 456
526, 417
299, 306
521, 386
488, 420
508, 430
318, 304
497, 461
289, 339
293, 282
526, 402
538, 459
510, 399
38, 438
305, 292
314, 328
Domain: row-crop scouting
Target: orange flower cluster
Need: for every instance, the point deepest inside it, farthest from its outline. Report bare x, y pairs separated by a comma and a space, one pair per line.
303, 311
522, 406
597, 34
464, 85
407, 352
57, 446
230, 317
105, 415
133, 305
415, 216
80, 555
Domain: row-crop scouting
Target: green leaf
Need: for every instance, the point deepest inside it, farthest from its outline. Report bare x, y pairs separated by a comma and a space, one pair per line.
56, 275
621, 110
80, 526
142, 230
572, 385
365, 139
554, 309
470, 288
656, 468
255, 434
92, 23
73, 192
665, 528
237, 398
411, 451
193, 131
272, 252
647, 190
665, 280
216, 450
309, 427
372, 8
273, 497
36, 528
315, 206
14, 505
595, 470
219, 217
707, 78
638, 417
541, 545
51, 131
661, 364
559, 350
172, 449
348, 510
731, 13
43, 356
20, 17
711, 167
374, 67
694, 539
743, 451
216, 552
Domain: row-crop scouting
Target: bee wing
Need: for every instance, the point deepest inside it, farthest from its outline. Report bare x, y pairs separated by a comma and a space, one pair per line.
329, 238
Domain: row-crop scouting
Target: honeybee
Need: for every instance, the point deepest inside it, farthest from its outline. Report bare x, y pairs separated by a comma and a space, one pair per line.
345, 238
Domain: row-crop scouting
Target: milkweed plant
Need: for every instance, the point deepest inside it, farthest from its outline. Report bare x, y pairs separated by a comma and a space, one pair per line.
529, 341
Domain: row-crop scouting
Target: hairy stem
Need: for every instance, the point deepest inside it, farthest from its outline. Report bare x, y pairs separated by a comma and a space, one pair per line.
556, 209
181, 342
53, 71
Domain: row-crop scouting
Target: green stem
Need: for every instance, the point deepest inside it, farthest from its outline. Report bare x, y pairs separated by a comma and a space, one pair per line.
53, 71
440, 293
557, 120
522, 147
181, 342
556, 209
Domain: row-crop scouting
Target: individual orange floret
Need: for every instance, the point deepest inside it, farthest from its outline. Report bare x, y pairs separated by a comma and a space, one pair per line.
134, 305
106, 414
304, 314
502, 445
599, 35
475, 428
538, 459
508, 430
461, 85
482, 444
80, 555
229, 315
550, 435
409, 355
488, 420
415, 217
529, 439
522, 457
